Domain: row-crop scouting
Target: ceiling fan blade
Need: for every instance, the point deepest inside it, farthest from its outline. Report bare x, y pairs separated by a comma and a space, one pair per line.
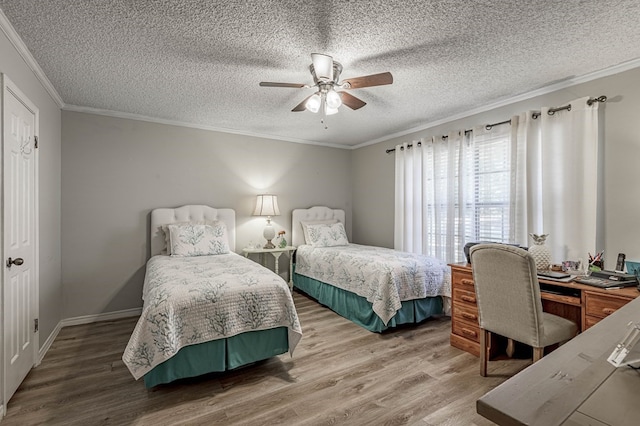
323, 66
351, 101
369, 80
271, 84
302, 105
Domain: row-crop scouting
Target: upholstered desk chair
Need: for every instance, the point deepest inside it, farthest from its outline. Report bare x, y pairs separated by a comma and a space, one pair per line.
508, 298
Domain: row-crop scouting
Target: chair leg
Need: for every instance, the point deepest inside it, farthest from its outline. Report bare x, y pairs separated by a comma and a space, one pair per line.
538, 353
511, 348
485, 338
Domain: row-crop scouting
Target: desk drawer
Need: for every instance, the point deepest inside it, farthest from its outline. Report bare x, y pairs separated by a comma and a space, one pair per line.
466, 330
590, 321
601, 305
463, 280
464, 297
465, 312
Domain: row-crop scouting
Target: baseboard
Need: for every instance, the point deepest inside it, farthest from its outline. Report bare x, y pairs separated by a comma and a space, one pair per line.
88, 319
85, 319
47, 344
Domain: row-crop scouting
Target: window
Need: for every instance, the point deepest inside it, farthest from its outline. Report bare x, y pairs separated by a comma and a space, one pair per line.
464, 192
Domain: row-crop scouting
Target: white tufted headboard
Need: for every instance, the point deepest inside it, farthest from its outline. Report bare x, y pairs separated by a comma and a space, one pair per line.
313, 213
166, 216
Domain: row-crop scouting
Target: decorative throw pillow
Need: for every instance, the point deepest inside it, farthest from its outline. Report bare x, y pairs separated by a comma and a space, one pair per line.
198, 240
167, 235
305, 225
328, 235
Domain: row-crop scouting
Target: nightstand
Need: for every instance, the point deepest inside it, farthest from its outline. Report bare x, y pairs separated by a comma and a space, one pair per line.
276, 253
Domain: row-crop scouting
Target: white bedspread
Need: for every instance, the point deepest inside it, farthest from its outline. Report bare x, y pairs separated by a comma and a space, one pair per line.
383, 276
191, 300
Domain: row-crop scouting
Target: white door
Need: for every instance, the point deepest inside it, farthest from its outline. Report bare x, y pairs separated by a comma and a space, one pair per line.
20, 238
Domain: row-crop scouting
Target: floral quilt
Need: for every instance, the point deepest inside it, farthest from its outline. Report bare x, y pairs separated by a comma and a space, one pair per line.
190, 300
383, 276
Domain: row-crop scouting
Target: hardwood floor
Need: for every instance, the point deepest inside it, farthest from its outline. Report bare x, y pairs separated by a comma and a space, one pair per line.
339, 374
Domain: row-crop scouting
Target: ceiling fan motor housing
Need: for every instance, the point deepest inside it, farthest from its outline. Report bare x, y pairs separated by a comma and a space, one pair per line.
337, 70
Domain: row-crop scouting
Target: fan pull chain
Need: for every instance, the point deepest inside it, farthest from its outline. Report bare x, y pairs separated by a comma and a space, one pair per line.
323, 120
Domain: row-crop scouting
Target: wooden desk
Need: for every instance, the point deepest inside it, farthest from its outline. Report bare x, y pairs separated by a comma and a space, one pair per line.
583, 304
574, 385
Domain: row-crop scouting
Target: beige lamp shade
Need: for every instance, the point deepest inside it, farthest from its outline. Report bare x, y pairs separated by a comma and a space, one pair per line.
267, 205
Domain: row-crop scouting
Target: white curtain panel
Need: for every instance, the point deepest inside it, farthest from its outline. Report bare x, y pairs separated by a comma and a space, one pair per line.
408, 197
567, 193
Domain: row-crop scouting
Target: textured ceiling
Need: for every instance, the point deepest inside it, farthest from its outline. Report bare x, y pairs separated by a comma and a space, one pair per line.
200, 62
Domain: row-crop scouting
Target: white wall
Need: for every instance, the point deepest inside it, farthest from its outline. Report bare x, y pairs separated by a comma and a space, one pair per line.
115, 171
14, 67
373, 169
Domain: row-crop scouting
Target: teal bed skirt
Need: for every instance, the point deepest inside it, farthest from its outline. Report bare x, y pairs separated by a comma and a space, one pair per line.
220, 355
358, 310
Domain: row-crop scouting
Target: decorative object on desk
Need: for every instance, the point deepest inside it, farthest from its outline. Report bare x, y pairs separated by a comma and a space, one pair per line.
596, 263
283, 242
267, 205
572, 267
633, 268
539, 251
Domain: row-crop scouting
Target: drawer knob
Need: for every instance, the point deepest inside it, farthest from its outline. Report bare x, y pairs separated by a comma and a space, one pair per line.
469, 299
469, 316
608, 311
466, 281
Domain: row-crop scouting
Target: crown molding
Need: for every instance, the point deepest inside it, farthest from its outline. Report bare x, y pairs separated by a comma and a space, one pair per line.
138, 117
26, 55
569, 82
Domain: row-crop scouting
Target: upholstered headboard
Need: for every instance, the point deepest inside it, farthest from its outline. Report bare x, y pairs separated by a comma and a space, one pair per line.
311, 214
190, 213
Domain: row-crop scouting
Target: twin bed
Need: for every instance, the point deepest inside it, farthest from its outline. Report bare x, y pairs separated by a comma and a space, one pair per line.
374, 287
206, 309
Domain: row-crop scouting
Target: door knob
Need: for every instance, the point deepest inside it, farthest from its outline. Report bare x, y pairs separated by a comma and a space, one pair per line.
18, 261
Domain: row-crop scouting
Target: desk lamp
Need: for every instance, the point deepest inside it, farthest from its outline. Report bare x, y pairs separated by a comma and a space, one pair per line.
267, 205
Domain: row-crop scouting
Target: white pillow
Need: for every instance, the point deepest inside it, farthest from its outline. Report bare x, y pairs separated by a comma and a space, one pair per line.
167, 236
305, 224
328, 235
198, 240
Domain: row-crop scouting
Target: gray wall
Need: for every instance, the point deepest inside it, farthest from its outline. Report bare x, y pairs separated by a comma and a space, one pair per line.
13, 66
373, 169
115, 171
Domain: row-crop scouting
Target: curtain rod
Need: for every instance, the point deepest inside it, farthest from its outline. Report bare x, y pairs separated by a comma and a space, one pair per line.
534, 115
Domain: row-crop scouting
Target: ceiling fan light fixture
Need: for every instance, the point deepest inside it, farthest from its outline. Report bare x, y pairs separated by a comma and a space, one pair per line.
333, 100
313, 103
330, 111
323, 66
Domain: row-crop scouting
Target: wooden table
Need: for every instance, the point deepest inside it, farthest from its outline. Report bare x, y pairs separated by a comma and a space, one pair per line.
574, 385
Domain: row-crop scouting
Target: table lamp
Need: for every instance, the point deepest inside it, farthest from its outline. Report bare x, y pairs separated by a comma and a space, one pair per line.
267, 205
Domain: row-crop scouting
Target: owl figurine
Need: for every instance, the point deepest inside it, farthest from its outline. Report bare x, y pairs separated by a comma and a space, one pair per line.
540, 253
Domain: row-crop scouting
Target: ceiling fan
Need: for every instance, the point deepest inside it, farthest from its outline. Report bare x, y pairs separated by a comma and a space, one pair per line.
327, 99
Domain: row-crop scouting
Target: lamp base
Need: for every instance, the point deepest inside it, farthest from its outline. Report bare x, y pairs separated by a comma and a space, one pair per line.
269, 234
269, 245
